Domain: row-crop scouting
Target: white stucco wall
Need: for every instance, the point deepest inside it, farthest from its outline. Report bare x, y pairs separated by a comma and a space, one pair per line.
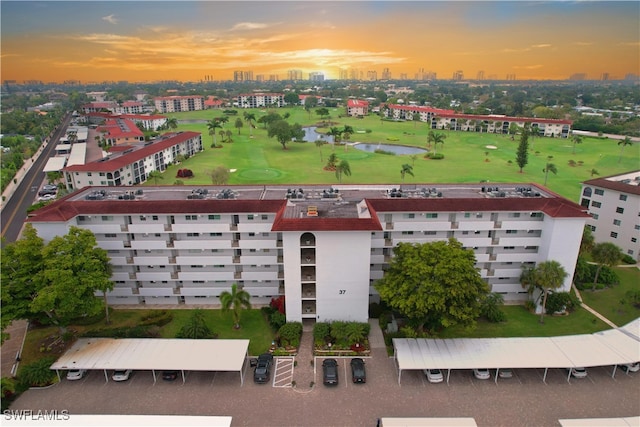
561, 242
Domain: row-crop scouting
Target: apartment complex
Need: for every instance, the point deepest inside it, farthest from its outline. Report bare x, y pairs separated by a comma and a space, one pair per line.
260, 100
323, 248
173, 104
614, 205
131, 164
357, 107
448, 119
120, 131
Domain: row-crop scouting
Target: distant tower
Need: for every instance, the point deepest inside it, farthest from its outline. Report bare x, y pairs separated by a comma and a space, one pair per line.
604, 77
480, 75
458, 75
238, 76
386, 74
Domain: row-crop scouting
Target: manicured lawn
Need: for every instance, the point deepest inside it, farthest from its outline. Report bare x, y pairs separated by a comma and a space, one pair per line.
262, 160
521, 323
612, 302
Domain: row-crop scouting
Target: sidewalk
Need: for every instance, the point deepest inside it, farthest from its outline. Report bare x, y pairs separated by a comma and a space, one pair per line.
12, 347
591, 310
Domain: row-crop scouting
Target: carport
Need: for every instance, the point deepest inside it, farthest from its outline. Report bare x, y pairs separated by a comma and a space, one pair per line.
155, 355
612, 347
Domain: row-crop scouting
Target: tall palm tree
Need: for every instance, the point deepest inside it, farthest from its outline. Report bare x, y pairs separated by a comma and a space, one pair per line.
605, 253
250, 118
343, 168
319, 143
546, 276
235, 301
238, 124
212, 125
171, 123
550, 167
222, 120
347, 131
155, 175
623, 143
406, 169
437, 138
576, 139
335, 132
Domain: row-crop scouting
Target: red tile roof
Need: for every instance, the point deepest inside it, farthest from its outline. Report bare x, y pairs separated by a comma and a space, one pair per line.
357, 103
606, 182
111, 164
502, 118
120, 128
420, 108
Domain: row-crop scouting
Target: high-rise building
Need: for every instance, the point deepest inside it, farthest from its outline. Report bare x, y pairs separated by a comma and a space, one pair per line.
458, 75
343, 74
604, 77
372, 75
578, 76
238, 76
294, 75
386, 74
316, 76
480, 75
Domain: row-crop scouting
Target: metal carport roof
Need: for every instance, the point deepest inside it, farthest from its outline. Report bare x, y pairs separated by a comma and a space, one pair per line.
155, 355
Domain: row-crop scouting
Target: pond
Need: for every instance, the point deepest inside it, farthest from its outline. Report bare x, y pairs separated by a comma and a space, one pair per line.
395, 149
310, 135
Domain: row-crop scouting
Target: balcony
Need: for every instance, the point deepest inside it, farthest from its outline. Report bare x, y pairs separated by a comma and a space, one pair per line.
497, 224
233, 227
167, 227
124, 228
388, 226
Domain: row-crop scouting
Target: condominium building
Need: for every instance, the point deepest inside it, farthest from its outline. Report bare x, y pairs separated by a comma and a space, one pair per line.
614, 205
173, 104
131, 164
259, 100
322, 248
120, 131
357, 107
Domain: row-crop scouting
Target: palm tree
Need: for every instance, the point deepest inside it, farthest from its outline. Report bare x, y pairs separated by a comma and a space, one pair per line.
335, 132
155, 175
588, 241
238, 124
594, 172
319, 143
343, 168
212, 125
437, 138
550, 167
605, 253
577, 139
406, 169
250, 118
171, 123
623, 143
413, 158
223, 120
235, 301
546, 276
347, 131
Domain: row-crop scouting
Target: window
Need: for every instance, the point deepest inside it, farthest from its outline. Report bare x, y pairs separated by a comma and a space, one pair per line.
214, 217
536, 214
509, 248
197, 266
191, 217
193, 234
107, 218
596, 204
250, 217
110, 235
587, 192
154, 217
623, 197
512, 231
637, 227
619, 210
215, 234
88, 173
408, 216
90, 182
252, 234
478, 215
264, 217
143, 217
407, 233
467, 215
614, 234
595, 216
633, 240
599, 192
630, 251
431, 215
515, 215
466, 232
593, 228
102, 174
617, 222
430, 233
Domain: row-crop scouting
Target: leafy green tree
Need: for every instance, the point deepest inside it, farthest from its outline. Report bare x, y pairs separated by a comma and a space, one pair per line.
522, 154
343, 168
290, 333
235, 301
435, 285
549, 167
22, 264
546, 276
355, 332
196, 327
406, 169
220, 175
155, 175
576, 139
605, 253
623, 143
249, 118
323, 113
593, 172
238, 124
74, 269
310, 102
335, 132
588, 241
332, 162
284, 132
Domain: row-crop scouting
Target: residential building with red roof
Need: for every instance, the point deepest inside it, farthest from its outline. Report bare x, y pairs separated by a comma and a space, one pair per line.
118, 131
260, 100
176, 103
214, 103
130, 107
357, 107
100, 107
147, 121
131, 164
613, 203
323, 248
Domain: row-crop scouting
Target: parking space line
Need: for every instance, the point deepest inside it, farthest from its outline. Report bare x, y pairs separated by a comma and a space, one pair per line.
283, 372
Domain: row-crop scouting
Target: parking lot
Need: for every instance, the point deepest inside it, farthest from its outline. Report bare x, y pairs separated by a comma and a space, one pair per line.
521, 400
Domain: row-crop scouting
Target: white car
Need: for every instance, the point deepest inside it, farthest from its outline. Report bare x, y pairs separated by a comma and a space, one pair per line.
46, 197
434, 375
505, 373
121, 375
76, 374
482, 374
631, 367
578, 372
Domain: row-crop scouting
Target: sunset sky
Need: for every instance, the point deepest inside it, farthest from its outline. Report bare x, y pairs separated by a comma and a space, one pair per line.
94, 41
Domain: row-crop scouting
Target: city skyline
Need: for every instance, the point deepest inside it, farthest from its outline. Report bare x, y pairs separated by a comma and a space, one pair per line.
55, 41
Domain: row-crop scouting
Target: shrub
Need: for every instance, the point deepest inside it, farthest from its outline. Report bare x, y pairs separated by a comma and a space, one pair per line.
184, 173
634, 297
278, 304
290, 333
124, 332
561, 301
628, 259
38, 373
490, 308
381, 151
277, 320
161, 318
435, 156
339, 332
392, 138
368, 130
321, 331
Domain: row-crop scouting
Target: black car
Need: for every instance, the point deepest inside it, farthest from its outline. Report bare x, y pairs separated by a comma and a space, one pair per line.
358, 371
330, 372
262, 372
170, 375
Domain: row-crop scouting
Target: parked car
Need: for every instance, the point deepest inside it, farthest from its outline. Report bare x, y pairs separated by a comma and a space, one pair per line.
262, 372
434, 375
631, 367
46, 197
482, 374
121, 374
358, 371
505, 373
578, 372
330, 372
170, 375
76, 374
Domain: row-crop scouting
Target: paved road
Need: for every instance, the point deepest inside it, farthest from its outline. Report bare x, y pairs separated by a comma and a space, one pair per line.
521, 401
14, 210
